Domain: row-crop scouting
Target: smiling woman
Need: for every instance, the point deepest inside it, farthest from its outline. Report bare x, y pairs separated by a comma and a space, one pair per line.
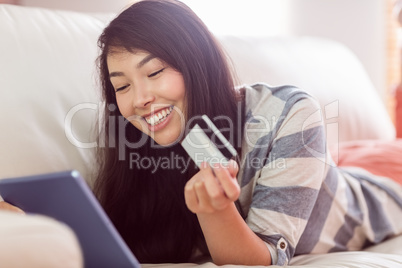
149, 93
160, 66
160, 69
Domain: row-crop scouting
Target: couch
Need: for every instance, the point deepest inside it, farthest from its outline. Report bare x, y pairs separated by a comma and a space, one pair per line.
50, 99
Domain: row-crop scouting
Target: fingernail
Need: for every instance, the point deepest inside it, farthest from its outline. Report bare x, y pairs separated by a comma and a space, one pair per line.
216, 166
198, 184
234, 164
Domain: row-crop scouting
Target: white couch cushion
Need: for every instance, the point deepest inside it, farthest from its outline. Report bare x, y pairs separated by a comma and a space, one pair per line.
327, 69
37, 242
47, 68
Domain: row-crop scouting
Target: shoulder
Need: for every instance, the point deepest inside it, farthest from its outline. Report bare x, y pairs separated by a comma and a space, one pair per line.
281, 91
282, 115
264, 100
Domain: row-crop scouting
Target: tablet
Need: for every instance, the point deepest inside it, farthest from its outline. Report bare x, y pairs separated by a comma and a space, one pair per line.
66, 197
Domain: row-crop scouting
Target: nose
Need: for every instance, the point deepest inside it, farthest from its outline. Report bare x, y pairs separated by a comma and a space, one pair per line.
143, 97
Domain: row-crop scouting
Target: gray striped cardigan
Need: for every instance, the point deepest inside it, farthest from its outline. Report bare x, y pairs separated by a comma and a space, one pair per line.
292, 194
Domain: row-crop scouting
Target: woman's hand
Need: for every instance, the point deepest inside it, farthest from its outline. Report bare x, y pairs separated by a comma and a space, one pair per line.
211, 194
212, 189
9, 207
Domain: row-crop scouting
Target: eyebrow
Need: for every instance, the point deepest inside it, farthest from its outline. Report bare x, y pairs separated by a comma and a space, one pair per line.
139, 65
115, 74
145, 60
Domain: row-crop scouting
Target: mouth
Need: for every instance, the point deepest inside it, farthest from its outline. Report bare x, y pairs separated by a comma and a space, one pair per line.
159, 116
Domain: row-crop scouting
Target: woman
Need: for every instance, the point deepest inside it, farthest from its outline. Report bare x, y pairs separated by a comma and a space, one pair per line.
161, 68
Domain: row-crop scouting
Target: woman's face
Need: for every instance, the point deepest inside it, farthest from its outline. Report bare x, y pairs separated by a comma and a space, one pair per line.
149, 93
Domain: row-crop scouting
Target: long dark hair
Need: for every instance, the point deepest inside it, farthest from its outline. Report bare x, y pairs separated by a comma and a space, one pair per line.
147, 206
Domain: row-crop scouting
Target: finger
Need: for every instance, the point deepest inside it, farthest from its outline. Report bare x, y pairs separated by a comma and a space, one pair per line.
190, 197
9, 207
203, 197
229, 183
233, 168
211, 183
217, 197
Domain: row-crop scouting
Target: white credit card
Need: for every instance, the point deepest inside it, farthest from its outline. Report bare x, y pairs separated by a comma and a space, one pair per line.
201, 148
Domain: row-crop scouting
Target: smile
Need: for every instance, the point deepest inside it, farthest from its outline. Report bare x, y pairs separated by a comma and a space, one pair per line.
157, 118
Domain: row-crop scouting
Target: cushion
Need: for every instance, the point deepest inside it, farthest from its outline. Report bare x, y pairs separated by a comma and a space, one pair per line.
37, 242
398, 111
48, 97
328, 70
382, 158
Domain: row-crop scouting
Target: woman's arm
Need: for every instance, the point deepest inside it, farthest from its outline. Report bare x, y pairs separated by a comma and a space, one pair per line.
230, 240
211, 195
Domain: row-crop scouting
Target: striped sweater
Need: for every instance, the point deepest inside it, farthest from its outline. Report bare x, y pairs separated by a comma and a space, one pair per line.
292, 194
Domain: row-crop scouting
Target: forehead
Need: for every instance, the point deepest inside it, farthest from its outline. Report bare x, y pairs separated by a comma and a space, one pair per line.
120, 54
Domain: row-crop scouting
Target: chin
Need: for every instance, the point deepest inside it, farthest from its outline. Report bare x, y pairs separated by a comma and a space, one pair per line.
166, 141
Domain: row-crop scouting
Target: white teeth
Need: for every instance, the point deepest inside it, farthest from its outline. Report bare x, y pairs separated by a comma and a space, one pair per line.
159, 117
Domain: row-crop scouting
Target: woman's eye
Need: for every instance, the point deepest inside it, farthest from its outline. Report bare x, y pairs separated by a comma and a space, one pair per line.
156, 73
121, 88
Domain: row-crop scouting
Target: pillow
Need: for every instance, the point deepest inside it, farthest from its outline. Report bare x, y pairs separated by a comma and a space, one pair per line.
381, 158
398, 111
328, 70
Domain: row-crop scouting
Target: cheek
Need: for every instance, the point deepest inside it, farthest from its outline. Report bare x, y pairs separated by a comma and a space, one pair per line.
174, 87
181, 90
127, 111
124, 107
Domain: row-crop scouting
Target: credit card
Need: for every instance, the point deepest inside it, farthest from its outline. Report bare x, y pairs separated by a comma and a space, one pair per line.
205, 143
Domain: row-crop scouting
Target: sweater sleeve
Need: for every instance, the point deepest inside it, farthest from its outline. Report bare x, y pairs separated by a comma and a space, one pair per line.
291, 157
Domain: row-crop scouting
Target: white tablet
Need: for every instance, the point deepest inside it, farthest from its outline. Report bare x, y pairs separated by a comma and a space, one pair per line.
66, 197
